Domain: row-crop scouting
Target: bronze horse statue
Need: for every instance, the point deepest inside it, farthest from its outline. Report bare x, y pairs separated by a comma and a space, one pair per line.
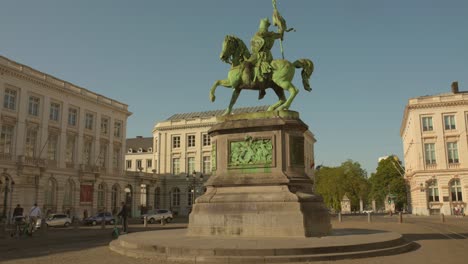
236, 53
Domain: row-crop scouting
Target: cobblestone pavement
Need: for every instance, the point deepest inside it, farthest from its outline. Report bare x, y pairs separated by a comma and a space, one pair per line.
439, 242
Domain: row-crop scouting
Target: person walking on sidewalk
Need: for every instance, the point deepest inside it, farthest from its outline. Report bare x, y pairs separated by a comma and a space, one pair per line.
124, 214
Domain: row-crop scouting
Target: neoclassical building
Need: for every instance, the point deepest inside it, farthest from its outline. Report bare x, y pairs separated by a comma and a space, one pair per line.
435, 143
181, 160
61, 145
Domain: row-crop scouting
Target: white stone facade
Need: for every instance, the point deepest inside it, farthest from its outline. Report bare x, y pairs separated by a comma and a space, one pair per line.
435, 145
61, 146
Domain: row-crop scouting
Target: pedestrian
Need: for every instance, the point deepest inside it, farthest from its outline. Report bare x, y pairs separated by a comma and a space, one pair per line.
123, 214
34, 214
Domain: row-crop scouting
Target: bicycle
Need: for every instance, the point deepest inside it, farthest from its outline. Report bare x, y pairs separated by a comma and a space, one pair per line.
21, 227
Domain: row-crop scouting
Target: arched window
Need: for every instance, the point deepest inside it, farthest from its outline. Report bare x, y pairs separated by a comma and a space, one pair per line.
144, 195
101, 199
68, 194
5, 189
175, 197
433, 191
129, 199
190, 195
456, 191
50, 195
115, 198
157, 198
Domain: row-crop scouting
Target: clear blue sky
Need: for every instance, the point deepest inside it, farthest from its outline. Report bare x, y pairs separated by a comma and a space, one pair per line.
161, 58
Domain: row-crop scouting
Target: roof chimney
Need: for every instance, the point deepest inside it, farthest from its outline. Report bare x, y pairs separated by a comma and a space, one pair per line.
142, 136
455, 87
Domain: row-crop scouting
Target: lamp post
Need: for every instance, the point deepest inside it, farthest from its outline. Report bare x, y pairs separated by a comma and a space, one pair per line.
194, 181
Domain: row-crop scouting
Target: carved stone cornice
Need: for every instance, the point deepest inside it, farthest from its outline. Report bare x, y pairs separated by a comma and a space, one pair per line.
36, 77
184, 126
438, 104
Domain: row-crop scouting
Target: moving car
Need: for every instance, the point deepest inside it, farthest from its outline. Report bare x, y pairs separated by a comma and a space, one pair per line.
156, 215
97, 219
58, 220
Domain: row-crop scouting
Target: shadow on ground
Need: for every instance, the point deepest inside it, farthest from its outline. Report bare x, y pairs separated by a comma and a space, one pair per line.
61, 240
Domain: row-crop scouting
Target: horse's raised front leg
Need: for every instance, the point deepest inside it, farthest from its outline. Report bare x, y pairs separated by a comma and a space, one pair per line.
235, 95
292, 93
226, 83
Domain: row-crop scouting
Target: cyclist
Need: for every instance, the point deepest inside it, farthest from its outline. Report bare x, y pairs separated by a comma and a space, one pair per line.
34, 214
18, 218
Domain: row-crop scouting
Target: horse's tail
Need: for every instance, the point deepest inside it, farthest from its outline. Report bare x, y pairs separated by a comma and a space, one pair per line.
307, 69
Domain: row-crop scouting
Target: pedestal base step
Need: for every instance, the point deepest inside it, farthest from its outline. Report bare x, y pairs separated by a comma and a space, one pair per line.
173, 246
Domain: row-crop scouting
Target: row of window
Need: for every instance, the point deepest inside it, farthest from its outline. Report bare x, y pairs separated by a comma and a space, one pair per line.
206, 165
140, 150
51, 195
452, 153
9, 102
455, 191
449, 123
139, 163
31, 148
191, 142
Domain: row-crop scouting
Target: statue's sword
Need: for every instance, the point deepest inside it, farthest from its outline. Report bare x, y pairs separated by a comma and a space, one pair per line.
279, 21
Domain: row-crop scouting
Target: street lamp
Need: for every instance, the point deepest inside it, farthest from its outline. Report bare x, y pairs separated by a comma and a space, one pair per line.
195, 182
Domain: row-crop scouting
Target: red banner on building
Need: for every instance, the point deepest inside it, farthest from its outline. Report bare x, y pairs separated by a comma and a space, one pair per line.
86, 194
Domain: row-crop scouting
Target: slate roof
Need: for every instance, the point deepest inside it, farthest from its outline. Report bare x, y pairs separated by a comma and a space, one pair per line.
207, 114
139, 142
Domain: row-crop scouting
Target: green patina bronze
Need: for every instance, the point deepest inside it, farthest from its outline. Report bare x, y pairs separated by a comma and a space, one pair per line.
258, 70
251, 152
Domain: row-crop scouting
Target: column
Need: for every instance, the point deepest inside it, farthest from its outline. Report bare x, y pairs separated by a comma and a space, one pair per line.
110, 167
20, 129
80, 137
44, 133
63, 136
97, 142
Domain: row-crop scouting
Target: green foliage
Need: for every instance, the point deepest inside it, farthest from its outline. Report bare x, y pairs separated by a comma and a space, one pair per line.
334, 182
388, 179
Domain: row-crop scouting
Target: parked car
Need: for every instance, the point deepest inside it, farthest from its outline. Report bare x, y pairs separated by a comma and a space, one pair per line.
97, 219
156, 215
58, 220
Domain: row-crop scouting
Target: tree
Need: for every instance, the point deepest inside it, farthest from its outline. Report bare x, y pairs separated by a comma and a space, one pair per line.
388, 179
334, 182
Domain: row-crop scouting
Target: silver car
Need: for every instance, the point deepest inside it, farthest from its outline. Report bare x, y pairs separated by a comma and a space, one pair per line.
156, 216
58, 220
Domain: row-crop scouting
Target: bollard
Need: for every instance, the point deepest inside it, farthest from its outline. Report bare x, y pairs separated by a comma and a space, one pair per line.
145, 221
400, 217
339, 217
163, 221
369, 217
103, 223
442, 218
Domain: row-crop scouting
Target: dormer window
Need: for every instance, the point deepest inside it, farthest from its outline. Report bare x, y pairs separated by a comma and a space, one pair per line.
130, 150
150, 149
140, 150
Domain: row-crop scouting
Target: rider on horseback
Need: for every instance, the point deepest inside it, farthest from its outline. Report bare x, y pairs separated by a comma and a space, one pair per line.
261, 45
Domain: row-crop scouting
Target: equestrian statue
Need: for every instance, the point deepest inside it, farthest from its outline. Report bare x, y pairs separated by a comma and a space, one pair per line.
257, 70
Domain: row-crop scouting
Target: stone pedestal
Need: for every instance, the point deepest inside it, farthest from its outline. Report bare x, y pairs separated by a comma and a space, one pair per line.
259, 187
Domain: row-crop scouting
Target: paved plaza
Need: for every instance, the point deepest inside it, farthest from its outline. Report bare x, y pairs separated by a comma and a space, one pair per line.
439, 243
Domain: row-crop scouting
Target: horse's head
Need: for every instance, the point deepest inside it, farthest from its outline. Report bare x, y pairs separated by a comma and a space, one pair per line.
229, 46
